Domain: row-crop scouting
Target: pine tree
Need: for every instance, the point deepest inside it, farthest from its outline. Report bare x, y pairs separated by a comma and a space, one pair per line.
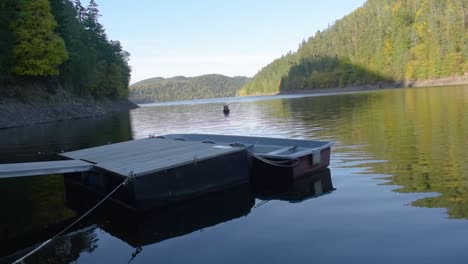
80, 10
91, 20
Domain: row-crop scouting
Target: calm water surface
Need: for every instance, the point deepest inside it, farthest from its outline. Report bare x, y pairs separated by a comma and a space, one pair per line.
396, 191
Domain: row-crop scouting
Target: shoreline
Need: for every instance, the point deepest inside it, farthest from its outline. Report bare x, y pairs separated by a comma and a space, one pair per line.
448, 81
64, 106
59, 107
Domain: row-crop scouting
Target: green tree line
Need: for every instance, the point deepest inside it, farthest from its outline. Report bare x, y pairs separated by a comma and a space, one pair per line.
382, 41
60, 40
185, 88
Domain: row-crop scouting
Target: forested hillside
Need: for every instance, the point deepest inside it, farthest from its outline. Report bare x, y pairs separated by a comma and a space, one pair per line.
61, 45
185, 88
383, 41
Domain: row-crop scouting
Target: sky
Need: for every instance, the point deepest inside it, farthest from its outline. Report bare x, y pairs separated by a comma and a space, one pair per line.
169, 38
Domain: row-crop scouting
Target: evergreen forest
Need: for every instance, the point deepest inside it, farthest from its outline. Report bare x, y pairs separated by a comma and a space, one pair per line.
178, 88
384, 41
59, 43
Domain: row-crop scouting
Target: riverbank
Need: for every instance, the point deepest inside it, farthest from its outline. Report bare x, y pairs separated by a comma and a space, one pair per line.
58, 107
448, 81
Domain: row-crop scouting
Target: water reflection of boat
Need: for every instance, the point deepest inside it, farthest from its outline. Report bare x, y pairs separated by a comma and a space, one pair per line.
308, 186
140, 229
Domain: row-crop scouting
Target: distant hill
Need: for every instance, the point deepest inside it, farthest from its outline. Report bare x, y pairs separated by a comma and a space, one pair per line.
177, 88
149, 81
384, 41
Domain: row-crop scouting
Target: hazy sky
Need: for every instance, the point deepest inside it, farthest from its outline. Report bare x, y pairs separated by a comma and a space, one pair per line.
194, 37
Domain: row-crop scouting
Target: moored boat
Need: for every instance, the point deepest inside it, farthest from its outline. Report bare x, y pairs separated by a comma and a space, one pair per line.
290, 157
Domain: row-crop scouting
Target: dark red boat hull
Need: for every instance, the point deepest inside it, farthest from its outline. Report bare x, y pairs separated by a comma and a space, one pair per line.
293, 170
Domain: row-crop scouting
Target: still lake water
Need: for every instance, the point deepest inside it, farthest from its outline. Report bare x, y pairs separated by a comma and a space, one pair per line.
399, 170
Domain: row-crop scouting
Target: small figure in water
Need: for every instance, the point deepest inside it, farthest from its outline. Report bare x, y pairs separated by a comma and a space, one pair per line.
226, 110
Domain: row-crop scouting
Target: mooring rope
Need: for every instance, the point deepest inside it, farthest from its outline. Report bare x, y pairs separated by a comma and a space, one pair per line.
135, 253
279, 163
262, 203
123, 183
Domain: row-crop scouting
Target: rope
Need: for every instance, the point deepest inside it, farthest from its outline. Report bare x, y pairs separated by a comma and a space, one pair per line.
279, 163
262, 203
135, 253
124, 182
270, 198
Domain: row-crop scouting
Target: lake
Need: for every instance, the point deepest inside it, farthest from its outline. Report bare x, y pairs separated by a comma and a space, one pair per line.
396, 190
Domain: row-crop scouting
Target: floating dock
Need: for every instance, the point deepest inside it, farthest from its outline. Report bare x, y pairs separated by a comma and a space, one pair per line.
161, 170
146, 156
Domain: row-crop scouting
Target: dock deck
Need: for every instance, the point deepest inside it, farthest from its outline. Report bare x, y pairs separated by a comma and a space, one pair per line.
146, 156
43, 168
135, 157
